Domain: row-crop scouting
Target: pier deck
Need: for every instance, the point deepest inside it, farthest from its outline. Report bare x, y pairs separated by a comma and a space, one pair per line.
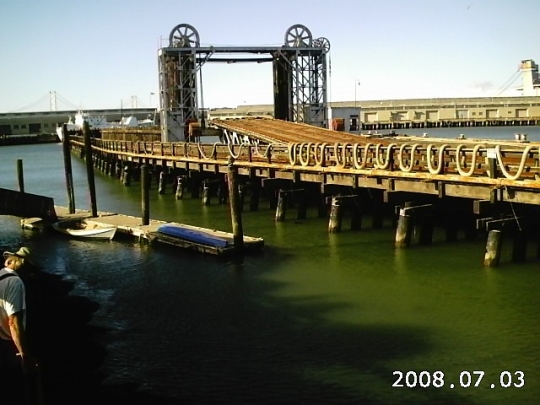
274, 149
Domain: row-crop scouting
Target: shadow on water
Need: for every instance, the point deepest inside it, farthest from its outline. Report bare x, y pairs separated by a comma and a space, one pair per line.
65, 342
272, 351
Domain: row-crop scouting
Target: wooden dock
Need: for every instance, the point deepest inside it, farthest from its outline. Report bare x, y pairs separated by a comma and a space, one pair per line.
130, 226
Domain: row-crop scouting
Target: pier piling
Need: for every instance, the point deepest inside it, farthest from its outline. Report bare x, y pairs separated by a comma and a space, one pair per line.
493, 248
66, 148
236, 216
404, 230
336, 216
90, 169
20, 175
145, 194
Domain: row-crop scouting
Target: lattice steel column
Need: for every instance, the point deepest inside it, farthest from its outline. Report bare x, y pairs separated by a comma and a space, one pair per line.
178, 83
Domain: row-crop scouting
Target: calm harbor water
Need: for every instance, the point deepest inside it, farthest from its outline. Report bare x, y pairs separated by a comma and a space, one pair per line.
314, 319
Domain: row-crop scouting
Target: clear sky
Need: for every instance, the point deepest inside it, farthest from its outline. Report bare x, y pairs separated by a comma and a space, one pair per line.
103, 53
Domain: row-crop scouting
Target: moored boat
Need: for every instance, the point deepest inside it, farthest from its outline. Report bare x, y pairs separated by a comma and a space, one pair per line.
85, 229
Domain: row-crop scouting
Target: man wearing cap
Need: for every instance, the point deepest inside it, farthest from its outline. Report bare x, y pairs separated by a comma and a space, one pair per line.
14, 351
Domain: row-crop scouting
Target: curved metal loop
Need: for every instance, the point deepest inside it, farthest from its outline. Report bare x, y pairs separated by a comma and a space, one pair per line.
320, 149
231, 152
361, 165
266, 152
388, 160
473, 162
521, 167
440, 164
402, 167
213, 154
291, 148
308, 146
341, 163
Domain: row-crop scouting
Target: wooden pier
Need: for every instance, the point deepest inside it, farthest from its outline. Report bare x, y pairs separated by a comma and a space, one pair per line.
467, 183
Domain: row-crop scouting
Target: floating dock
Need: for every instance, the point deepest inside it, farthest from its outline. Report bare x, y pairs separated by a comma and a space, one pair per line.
131, 226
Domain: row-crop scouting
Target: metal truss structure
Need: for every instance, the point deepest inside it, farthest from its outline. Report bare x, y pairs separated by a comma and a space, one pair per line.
299, 70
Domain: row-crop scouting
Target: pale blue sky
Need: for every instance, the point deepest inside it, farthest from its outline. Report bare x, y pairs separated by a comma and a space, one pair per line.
101, 53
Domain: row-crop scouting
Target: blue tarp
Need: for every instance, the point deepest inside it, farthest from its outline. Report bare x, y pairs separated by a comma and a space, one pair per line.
193, 235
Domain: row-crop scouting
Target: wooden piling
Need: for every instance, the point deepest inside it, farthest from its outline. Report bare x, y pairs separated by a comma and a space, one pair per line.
236, 216
20, 175
205, 193
66, 148
162, 181
145, 194
404, 230
281, 206
179, 193
126, 175
493, 248
336, 216
90, 169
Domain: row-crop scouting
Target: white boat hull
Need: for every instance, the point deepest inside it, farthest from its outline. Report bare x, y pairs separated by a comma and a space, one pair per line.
84, 230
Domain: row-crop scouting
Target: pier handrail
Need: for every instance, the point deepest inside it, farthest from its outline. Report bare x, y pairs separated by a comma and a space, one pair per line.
465, 162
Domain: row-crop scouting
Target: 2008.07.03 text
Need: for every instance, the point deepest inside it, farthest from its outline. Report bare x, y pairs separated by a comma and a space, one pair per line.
466, 379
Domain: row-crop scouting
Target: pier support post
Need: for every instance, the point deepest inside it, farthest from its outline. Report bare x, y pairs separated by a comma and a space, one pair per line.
205, 193
66, 148
145, 194
20, 175
336, 216
236, 216
126, 176
281, 206
404, 230
90, 168
179, 194
162, 182
493, 248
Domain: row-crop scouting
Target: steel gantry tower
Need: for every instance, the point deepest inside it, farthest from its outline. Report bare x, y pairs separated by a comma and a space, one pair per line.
299, 77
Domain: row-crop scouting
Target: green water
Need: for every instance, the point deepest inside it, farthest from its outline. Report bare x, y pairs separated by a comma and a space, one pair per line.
316, 318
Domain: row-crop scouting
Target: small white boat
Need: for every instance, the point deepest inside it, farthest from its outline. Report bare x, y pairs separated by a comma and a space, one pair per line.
84, 228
